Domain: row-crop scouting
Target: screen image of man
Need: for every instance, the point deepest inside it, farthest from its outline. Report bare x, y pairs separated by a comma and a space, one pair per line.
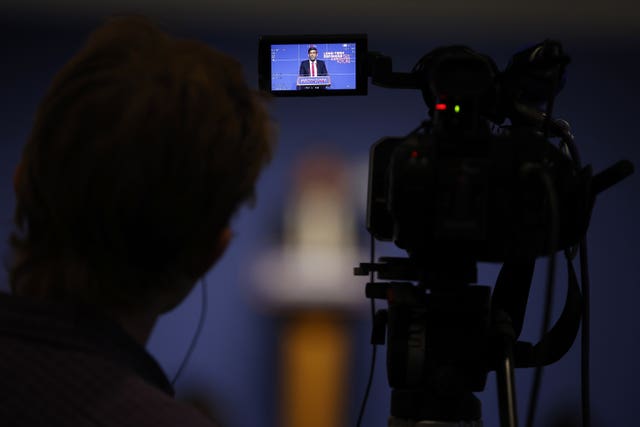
313, 66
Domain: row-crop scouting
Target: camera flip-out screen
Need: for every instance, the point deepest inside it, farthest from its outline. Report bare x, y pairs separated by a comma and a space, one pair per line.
313, 65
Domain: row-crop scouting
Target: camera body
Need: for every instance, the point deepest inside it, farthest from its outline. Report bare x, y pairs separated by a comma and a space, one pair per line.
433, 192
459, 184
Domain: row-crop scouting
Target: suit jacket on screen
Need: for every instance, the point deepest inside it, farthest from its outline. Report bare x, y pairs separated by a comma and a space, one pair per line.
306, 71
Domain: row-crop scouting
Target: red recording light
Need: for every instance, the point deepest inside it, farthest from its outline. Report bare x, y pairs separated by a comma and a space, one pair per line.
441, 107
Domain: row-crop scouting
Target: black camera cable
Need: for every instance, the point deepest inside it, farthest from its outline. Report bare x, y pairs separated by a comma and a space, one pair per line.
570, 148
196, 334
374, 350
550, 280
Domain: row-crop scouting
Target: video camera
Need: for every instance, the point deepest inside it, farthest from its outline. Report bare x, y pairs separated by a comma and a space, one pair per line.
479, 180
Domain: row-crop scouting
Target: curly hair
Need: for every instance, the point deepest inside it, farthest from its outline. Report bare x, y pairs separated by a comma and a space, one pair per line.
142, 150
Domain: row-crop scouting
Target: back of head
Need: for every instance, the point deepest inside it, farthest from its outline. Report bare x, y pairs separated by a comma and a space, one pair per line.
142, 150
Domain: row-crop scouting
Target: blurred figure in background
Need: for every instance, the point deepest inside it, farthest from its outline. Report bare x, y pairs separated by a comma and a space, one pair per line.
307, 281
142, 150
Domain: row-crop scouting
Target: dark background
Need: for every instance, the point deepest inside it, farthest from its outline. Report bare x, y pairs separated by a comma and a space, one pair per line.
235, 362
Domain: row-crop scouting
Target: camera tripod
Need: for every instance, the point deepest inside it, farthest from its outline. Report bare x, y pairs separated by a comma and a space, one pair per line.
444, 335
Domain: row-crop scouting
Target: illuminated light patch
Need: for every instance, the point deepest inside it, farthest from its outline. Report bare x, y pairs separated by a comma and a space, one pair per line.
441, 107
456, 108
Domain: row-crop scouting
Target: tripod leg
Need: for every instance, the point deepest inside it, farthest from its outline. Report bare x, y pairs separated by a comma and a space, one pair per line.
505, 372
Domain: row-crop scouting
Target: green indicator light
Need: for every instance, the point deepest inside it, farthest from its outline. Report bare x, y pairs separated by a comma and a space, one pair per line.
456, 108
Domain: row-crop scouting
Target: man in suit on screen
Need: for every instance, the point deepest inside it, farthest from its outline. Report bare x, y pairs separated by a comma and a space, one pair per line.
313, 66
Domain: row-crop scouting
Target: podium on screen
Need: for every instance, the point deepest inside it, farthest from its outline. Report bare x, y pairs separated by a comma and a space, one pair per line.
313, 82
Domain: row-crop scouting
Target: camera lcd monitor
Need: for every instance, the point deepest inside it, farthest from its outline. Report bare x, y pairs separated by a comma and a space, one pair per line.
313, 65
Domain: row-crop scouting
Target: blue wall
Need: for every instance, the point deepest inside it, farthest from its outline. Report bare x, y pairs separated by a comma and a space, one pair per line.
234, 362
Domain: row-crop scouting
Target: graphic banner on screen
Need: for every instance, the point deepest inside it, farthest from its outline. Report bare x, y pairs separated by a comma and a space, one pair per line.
313, 65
